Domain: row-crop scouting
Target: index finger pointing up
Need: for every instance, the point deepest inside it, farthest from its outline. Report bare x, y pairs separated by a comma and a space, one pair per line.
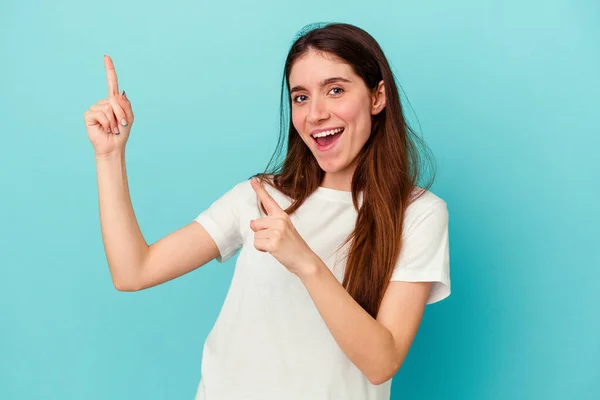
111, 77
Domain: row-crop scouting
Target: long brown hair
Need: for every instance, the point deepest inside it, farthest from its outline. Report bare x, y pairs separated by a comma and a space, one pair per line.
387, 170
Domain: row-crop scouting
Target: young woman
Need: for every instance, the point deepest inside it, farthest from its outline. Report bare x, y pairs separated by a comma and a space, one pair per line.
340, 248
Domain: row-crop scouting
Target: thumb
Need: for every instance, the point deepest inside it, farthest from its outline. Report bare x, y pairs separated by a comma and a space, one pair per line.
126, 105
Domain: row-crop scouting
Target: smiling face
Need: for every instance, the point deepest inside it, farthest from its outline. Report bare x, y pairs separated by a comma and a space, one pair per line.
326, 94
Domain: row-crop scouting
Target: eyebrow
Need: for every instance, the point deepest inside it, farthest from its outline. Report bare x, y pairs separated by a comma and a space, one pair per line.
325, 82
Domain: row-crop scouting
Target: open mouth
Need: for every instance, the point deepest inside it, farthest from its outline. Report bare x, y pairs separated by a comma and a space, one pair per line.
326, 140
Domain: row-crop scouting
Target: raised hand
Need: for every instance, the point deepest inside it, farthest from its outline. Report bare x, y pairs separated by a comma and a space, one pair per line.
108, 122
276, 235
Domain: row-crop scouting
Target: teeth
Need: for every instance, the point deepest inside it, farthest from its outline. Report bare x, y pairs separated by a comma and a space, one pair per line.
326, 133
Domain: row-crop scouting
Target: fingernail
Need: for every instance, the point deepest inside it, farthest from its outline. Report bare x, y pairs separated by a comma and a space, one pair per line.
123, 122
115, 130
124, 96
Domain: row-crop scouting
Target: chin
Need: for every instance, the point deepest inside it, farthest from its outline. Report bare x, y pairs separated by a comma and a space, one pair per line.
331, 166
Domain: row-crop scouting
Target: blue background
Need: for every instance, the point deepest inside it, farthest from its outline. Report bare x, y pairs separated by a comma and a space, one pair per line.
505, 94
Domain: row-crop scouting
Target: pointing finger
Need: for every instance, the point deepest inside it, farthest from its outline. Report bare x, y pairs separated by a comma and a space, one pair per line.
111, 77
270, 204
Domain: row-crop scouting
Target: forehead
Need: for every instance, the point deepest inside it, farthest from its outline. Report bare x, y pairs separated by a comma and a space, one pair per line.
313, 67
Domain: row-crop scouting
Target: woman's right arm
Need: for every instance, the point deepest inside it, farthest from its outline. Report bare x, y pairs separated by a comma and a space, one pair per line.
133, 264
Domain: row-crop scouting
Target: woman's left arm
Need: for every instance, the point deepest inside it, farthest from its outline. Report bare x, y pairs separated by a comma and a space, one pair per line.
375, 346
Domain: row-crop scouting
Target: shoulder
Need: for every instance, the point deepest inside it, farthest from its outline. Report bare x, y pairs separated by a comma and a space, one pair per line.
425, 205
243, 190
245, 184
268, 182
423, 198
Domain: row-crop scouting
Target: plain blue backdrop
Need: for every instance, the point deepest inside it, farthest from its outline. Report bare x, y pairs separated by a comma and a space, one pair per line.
506, 94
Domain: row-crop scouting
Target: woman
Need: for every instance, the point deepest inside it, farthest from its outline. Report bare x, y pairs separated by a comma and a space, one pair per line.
340, 248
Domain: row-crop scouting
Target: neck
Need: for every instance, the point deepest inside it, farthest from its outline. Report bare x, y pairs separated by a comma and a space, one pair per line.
340, 180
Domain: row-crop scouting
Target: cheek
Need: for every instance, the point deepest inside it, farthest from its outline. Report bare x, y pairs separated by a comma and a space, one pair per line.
297, 121
356, 115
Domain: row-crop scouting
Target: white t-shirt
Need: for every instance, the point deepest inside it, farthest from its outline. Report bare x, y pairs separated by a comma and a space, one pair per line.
269, 341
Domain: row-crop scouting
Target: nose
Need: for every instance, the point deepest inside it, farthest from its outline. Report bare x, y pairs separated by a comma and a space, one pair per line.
317, 112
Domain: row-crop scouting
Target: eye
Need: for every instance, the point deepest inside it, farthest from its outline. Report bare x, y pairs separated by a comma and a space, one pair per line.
295, 99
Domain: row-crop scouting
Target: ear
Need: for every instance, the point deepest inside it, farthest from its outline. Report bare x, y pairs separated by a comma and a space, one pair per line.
378, 99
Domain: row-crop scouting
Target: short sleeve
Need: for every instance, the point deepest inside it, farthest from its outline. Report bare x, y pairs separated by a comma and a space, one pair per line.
425, 255
222, 221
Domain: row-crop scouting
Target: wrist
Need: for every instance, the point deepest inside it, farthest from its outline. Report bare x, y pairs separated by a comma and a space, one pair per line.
110, 157
311, 268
